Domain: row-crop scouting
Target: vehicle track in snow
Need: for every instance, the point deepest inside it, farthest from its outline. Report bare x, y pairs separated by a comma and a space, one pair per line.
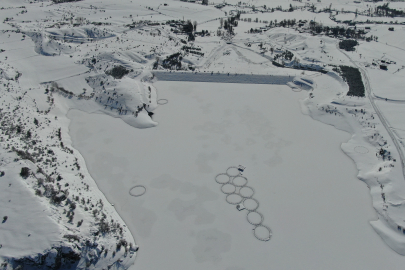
213, 56
246, 59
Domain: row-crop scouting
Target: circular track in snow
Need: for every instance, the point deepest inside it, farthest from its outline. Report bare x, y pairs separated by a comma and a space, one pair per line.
254, 218
228, 188
222, 178
234, 198
239, 181
137, 190
162, 101
361, 150
232, 171
262, 233
246, 192
251, 204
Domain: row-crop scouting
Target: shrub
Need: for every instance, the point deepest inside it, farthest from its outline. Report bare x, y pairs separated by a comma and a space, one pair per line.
172, 61
24, 154
25, 172
288, 55
72, 206
57, 198
118, 72
104, 227
72, 237
348, 44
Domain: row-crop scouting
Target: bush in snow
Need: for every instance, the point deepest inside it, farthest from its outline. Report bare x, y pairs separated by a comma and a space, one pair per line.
348, 44
25, 172
118, 72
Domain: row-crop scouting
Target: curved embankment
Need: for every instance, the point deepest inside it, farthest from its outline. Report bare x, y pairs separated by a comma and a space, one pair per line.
372, 150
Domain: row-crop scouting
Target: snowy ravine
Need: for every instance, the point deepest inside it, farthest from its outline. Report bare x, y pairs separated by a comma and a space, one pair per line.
370, 147
53, 212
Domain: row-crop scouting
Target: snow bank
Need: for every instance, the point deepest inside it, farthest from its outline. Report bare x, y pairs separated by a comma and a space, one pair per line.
44, 45
82, 34
372, 150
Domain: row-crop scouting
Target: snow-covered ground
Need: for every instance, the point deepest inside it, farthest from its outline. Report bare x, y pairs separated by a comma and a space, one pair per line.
92, 104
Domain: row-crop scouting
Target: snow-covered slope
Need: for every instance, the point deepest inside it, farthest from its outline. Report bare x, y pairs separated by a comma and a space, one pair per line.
55, 216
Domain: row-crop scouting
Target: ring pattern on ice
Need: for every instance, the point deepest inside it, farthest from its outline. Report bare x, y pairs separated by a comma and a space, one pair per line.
228, 188
265, 230
253, 216
251, 204
239, 181
234, 186
137, 190
246, 192
234, 198
222, 178
232, 171
361, 150
162, 101
296, 89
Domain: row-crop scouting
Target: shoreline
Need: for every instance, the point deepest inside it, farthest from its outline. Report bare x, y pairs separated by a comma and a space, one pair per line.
369, 164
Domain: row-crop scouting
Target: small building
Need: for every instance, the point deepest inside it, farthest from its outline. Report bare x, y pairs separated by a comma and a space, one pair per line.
383, 67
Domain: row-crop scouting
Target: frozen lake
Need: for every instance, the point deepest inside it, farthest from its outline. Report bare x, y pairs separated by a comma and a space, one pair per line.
307, 188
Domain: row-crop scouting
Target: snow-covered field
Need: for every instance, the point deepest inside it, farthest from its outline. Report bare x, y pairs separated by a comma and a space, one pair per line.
99, 96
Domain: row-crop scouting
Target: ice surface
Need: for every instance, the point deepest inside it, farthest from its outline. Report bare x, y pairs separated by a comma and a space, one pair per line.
317, 209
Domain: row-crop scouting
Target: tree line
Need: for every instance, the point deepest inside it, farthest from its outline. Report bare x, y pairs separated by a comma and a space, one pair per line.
353, 78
